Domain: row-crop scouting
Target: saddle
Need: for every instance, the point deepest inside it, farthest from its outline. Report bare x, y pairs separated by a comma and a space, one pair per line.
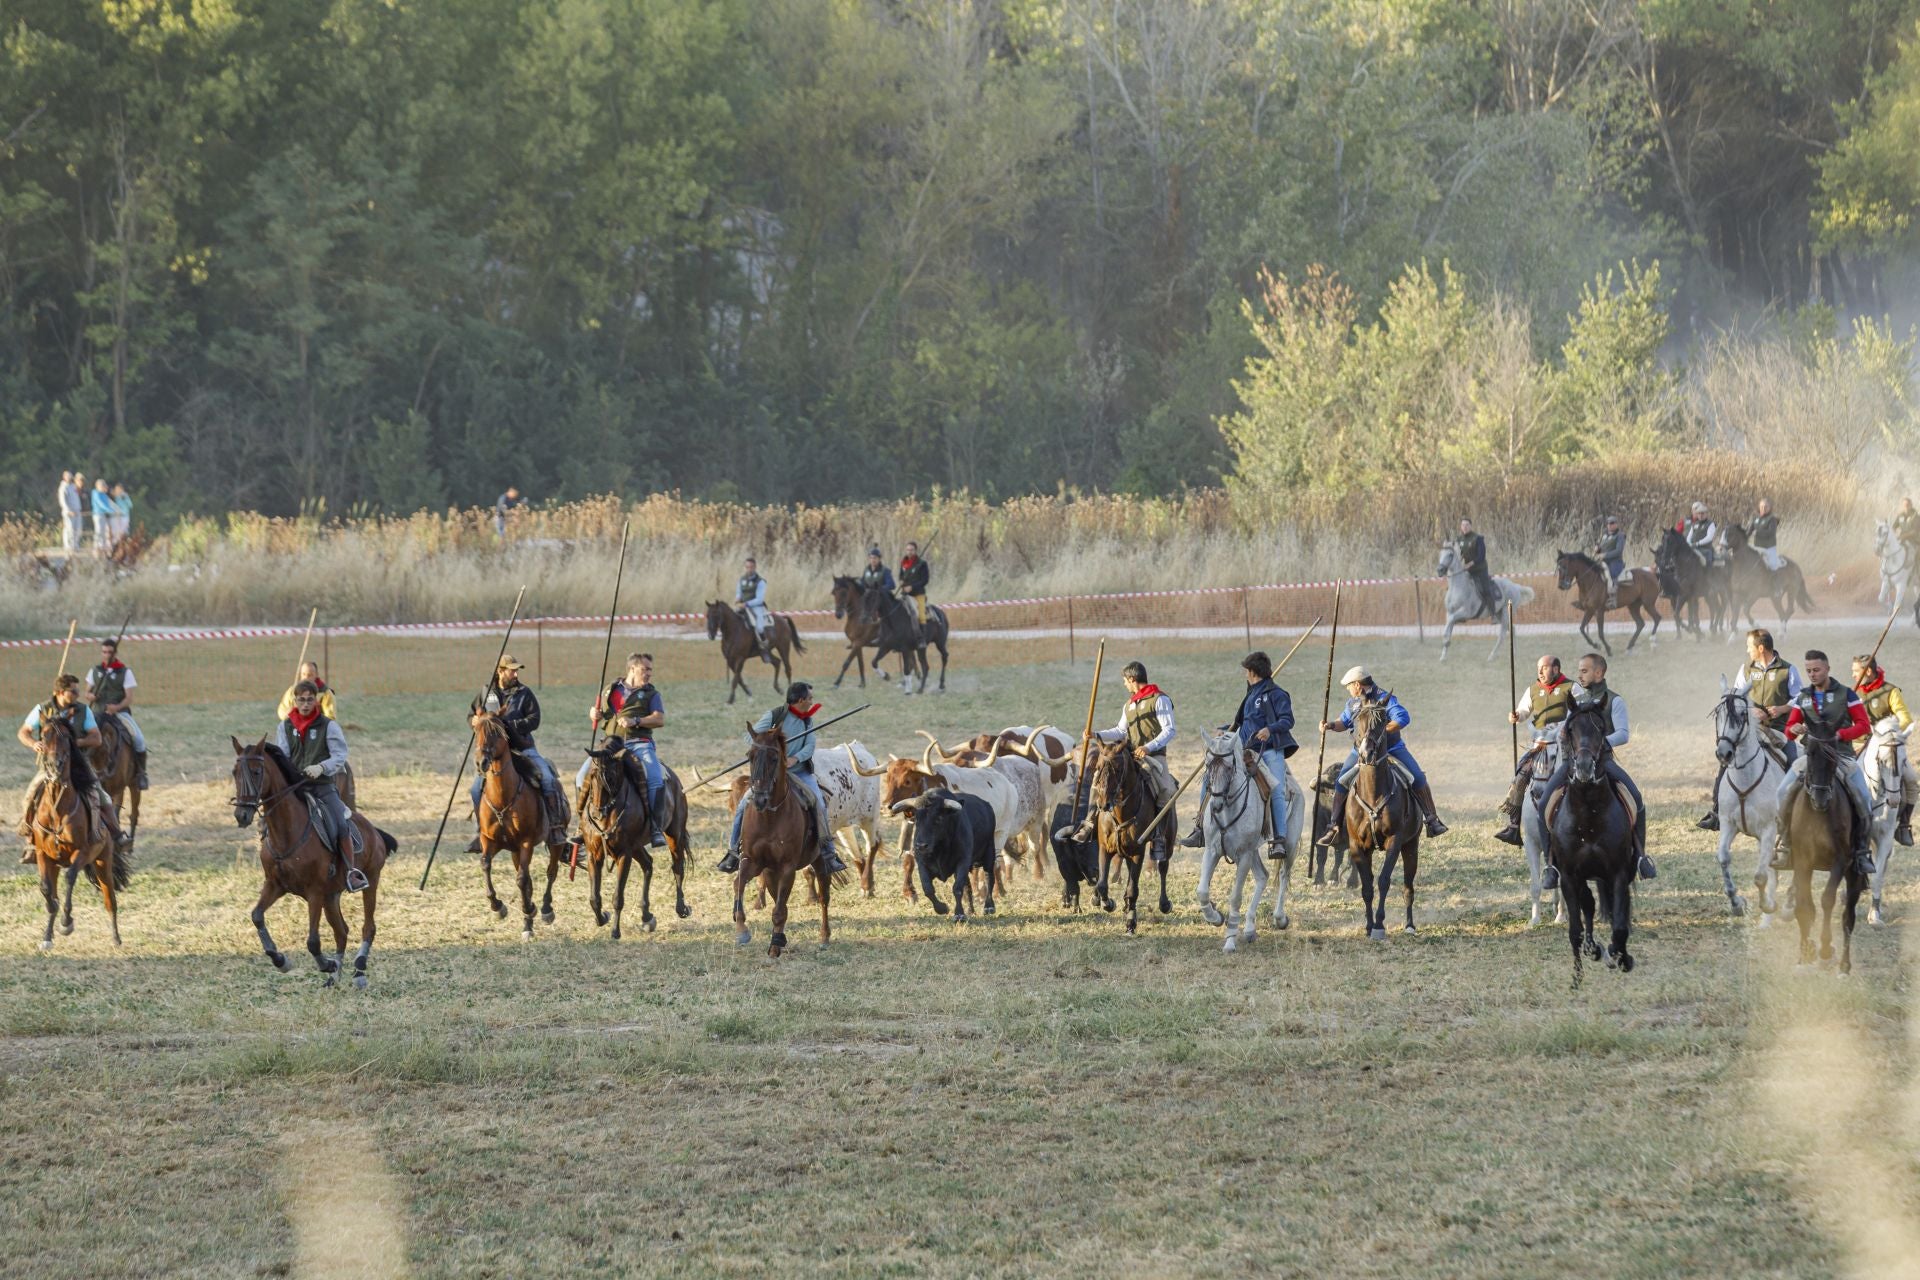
323, 825
1257, 770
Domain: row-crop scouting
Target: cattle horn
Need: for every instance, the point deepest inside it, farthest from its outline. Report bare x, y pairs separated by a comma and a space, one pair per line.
699, 781
933, 742
1040, 756
926, 757
865, 772
995, 753
915, 804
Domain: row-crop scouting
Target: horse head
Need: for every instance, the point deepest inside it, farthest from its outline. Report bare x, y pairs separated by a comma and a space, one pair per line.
489, 737
1583, 739
1563, 566
1449, 561
1223, 764
1822, 754
716, 618
252, 767
56, 750
1370, 732
844, 590
767, 767
1732, 718
1114, 771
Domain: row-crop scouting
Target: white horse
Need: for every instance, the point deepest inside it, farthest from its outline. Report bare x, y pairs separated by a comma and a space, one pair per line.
1747, 798
1897, 563
1234, 822
1885, 788
1533, 838
1464, 603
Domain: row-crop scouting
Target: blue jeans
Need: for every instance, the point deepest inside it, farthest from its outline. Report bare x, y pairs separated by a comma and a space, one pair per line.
133, 731
805, 778
1276, 762
643, 751
549, 781
1615, 568
1398, 751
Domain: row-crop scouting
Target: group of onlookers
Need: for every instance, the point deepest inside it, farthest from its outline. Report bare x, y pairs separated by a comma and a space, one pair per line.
109, 508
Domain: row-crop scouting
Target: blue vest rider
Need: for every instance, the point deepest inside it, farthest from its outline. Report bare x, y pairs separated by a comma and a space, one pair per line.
1361, 690
317, 749
110, 687
65, 705
519, 713
795, 720
632, 709
750, 593
1265, 725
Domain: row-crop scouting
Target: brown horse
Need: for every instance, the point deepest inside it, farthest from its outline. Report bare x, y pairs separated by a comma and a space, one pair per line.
1639, 590
295, 860
1123, 806
862, 629
1381, 815
513, 816
614, 826
777, 841
1819, 835
1749, 581
113, 765
70, 833
738, 644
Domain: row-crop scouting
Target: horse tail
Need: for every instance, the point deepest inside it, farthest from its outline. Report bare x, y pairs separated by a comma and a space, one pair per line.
1800, 593
1520, 593
122, 869
386, 838
795, 628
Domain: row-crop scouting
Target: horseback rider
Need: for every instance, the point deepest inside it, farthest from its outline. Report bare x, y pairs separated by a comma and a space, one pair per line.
914, 573
110, 687
65, 705
876, 584
1146, 724
310, 673
1547, 703
1265, 725
1906, 528
1763, 534
1592, 694
519, 713
1841, 710
1362, 690
795, 721
1886, 703
635, 710
1771, 684
317, 748
1701, 533
1611, 551
1472, 550
751, 595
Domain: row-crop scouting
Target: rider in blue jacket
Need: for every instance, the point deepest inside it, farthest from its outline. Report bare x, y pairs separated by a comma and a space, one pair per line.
1265, 725
1361, 690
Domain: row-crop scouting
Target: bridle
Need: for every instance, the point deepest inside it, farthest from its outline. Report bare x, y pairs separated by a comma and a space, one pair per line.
1235, 789
491, 760
251, 800
767, 774
1727, 740
1131, 781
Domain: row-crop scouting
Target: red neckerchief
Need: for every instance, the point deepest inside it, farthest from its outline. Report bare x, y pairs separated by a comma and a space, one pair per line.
1549, 688
1877, 683
803, 716
1146, 691
907, 562
115, 665
618, 697
302, 723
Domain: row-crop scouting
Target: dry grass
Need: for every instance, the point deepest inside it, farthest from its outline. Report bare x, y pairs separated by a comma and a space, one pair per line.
1030, 1094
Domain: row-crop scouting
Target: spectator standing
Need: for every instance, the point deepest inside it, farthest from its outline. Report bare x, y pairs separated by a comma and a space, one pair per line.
68, 496
122, 513
103, 513
503, 507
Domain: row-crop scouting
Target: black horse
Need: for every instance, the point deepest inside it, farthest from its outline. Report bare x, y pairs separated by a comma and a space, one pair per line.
877, 617
1749, 581
1686, 582
1590, 839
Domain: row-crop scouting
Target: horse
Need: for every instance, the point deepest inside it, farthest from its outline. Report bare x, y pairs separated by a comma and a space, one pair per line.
1881, 760
1234, 822
1749, 578
1897, 565
1819, 835
1686, 581
614, 827
1464, 603
877, 617
1381, 815
70, 833
738, 643
1638, 590
777, 841
295, 860
1590, 835
113, 765
1319, 855
1747, 797
512, 816
1533, 841
1122, 802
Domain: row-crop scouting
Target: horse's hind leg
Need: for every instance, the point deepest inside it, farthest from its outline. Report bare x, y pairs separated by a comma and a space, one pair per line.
824, 883
270, 893
1622, 913
1409, 867
647, 920
66, 905
782, 890
1639, 625
1377, 925
1362, 861
1134, 868
1165, 904
103, 866
337, 921
523, 872
1572, 896
320, 960
367, 930
546, 900
1803, 911
1826, 915
1850, 915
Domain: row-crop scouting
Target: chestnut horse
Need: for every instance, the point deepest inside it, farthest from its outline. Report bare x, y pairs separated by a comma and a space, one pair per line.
614, 826
295, 860
1639, 590
1380, 816
1820, 837
737, 644
513, 816
776, 841
113, 765
1123, 805
70, 833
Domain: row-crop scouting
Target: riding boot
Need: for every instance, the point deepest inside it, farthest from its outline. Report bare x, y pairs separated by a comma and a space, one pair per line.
1194, 839
1080, 834
1647, 870
140, 770
473, 845
1510, 834
1863, 847
1903, 826
1161, 844
356, 878
1424, 795
1782, 856
1712, 821
729, 864
1335, 807
829, 860
26, 812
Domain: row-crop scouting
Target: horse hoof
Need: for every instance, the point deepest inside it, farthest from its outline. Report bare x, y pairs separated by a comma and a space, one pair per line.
1166, 907
615, 935
959, 917
1211, 914
360, 982
1739, 905
990, 909
1107, 905
1410, 931
1131, 928
66, 928
326, 982
546, 915
46, 944
1378, 935
1283, 922
1759, 879
500, 909
1232, 945
601, 918
940, 908
743, 937
1873, 915
683, 911
1626, 963
647, 923
1613, 961
280, 961
526, 935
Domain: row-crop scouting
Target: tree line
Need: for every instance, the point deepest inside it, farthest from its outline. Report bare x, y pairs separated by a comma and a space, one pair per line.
377, 255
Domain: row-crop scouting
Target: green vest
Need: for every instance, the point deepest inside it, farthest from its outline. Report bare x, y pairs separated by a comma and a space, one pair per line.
1833, 705
1906, 526
109, 687
1550, 706
51, 710
1143, 721
1880, 702
309, 748
1767, 685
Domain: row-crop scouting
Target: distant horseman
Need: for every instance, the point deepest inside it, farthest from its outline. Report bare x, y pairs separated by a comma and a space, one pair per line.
914, 575
751, 595
1471, 547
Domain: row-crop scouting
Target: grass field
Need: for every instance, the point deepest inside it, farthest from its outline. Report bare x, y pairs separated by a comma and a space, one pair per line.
1033, 1093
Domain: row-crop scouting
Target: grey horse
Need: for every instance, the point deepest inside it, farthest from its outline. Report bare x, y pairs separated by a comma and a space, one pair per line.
1464, 603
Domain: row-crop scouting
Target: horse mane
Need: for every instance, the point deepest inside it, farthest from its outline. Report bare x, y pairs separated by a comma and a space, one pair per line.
1581, 558
281, 760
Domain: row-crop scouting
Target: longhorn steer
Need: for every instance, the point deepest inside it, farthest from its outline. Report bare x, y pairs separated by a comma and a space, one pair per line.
952, 838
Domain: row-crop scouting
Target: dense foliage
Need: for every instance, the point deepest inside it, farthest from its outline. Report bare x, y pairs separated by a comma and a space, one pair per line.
385, 254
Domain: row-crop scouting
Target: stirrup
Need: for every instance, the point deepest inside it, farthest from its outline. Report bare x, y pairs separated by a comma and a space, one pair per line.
356, 880
1711, 822
1195, 839
1327, 837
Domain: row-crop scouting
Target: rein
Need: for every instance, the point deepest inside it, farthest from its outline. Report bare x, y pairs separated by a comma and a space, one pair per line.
1239, 796
254, 769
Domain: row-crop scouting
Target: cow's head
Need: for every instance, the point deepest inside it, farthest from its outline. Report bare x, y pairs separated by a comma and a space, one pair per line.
902, 779
934, 813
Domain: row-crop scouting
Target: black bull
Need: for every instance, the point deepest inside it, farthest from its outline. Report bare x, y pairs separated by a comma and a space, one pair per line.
952, 839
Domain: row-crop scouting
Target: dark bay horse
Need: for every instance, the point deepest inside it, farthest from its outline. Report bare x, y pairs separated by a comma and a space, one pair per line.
512, 816
1749, 580
1590, 840
1382, 816
113, 765
614, 825
1819, 833
69, 835
737, 644
777, 842
295, 861
1638, 591
1687, 582
1123, 805
876, 617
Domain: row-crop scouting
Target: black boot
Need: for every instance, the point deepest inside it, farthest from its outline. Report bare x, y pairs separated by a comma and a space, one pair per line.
1336, 810
1647, 870
1903, 826
829, 860
1510, 834
1195, 839
1862, 853
140, 770
1712, 821
1424, 795
1550, 878
473, 845
729, 864
657, 836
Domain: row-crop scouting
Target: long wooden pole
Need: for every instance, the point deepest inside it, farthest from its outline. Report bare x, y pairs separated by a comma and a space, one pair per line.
1086, 737
492, 676
1311, 627
305, 641
606, 654
1875, 655
1326, 699
1513, 683
72, 625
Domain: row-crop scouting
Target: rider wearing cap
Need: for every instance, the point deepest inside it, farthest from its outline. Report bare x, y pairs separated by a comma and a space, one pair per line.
1361, 691
1265, 725
65, 705
1611, 551
1701, 533
1887, 712
110, 687
795, 722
